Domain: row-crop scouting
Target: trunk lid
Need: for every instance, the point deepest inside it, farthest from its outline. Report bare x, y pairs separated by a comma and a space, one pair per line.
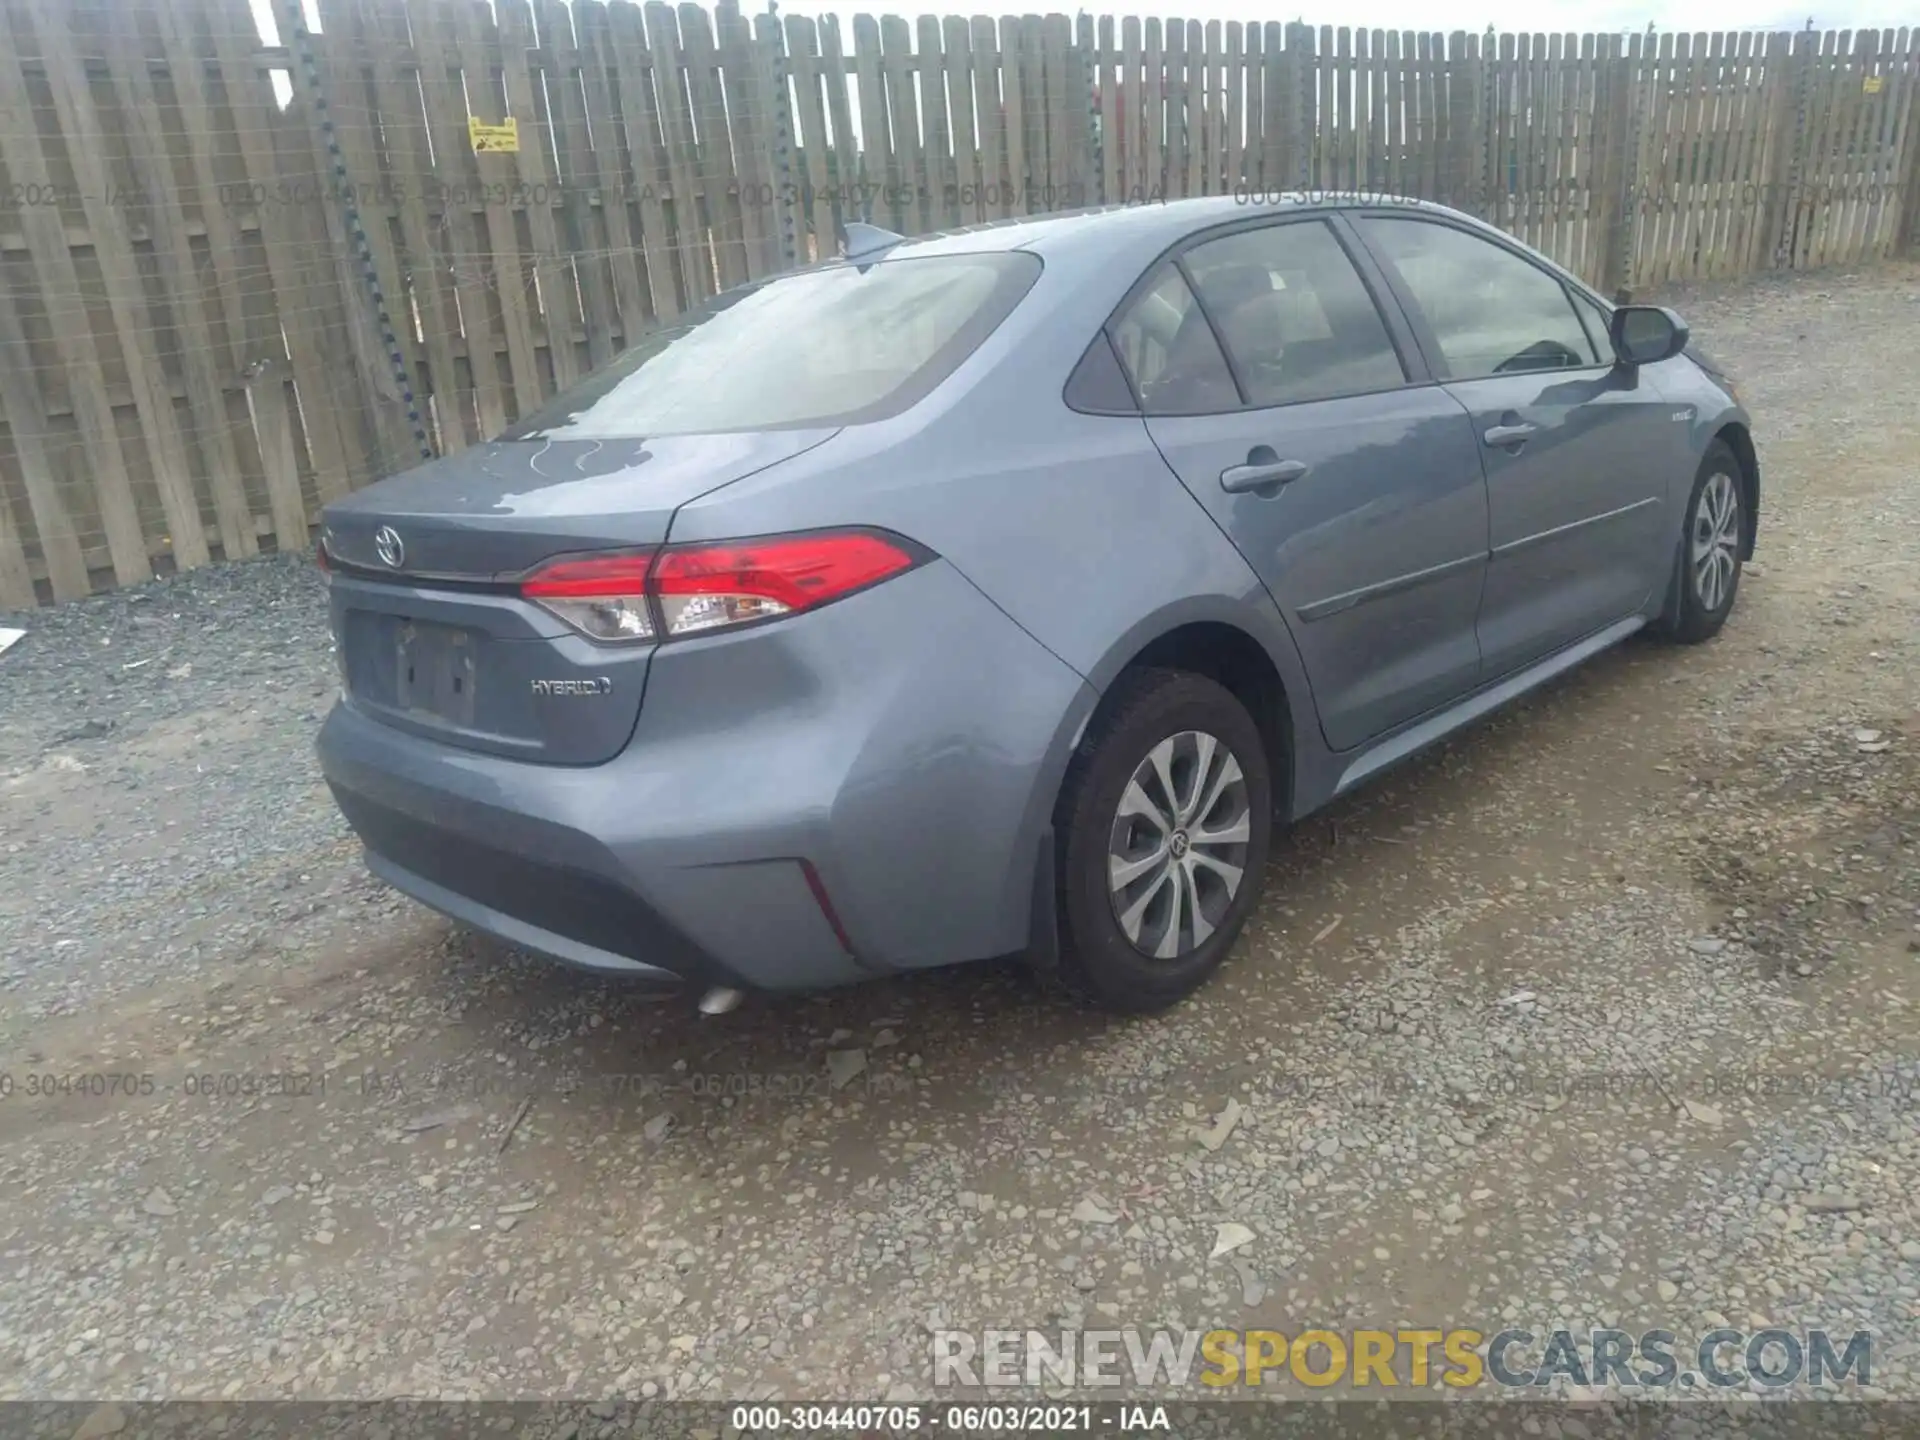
432, 639
494, 511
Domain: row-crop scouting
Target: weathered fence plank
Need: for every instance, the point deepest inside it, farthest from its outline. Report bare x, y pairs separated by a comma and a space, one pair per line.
189, 360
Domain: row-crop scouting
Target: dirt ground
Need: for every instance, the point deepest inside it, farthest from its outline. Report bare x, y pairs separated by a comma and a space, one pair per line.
1602, 1014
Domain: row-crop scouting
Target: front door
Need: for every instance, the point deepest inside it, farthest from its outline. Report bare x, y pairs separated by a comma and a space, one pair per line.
1577, 449
1273, 387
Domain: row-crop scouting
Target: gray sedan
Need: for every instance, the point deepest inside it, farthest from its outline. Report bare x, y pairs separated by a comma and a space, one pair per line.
999, 591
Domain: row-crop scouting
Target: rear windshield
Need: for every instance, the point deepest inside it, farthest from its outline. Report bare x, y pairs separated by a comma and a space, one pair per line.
834, 346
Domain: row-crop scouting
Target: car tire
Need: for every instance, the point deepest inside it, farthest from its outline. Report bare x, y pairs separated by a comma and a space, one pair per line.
1706, 574
1154, 730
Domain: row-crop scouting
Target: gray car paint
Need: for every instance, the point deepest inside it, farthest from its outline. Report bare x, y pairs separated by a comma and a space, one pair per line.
901, 782
1576, 508
908, 742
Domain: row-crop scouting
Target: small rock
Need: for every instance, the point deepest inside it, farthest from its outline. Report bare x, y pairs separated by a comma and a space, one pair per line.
1518, 997
518, 1207
159, 1203
1668, 1290
843, 1065
655, 1130
505, 1223
86, 730
1702, 1114
276, 1195
438, 1118
1252, 1288
1706, 945
1093, 1211
1824, 1204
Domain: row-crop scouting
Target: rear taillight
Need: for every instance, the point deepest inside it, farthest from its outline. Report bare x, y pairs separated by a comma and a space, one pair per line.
714, 586
603, 596
698, 589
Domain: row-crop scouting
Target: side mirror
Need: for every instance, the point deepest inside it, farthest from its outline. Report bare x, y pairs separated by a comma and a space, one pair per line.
1647, 334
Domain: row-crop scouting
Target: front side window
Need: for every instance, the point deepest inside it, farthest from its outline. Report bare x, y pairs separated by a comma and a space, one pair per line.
1490, 312
833, 346
1294, 314
1170, 354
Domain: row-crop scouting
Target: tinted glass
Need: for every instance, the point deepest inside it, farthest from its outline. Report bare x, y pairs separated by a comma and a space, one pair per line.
1098, 385
1491, 312
1294, 315
822, 347
1170, 353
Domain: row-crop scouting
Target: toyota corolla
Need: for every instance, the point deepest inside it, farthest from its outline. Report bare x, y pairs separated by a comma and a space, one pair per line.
999, 591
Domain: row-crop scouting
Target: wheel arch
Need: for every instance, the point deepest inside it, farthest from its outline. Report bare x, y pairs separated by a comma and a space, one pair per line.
1256, 663
1225, 639
1735, 435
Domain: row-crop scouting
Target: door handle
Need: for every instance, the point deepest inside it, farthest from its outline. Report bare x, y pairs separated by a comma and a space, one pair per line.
1260, 475
1508, 434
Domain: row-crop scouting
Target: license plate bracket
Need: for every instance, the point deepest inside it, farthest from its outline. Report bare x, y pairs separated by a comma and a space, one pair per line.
434, 673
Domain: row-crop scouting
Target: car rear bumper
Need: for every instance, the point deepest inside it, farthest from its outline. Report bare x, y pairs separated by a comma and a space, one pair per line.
843, 794
564, 913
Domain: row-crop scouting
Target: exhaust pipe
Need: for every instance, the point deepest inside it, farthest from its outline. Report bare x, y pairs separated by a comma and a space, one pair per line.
719, 1000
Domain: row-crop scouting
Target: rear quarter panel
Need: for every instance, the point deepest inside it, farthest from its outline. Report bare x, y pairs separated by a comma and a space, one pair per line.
1071, 524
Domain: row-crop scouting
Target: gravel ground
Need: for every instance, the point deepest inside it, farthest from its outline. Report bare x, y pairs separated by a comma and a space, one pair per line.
1696, 873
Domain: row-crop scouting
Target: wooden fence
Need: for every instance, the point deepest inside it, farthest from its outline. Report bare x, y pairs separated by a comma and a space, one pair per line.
220, 308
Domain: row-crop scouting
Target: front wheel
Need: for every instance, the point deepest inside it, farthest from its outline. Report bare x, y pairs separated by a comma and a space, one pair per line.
1164, 823
1708, 574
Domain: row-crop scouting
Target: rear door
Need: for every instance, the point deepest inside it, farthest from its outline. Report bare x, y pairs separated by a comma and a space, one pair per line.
1577, 449
1273, 384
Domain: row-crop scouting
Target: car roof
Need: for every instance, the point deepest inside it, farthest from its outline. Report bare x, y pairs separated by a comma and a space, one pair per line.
1146, 225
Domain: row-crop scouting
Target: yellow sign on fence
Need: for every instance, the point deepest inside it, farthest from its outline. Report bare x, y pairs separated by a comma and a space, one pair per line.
1873, 83
494, 139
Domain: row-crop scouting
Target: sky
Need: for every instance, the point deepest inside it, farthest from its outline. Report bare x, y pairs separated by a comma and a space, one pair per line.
1537, 15
1516, 15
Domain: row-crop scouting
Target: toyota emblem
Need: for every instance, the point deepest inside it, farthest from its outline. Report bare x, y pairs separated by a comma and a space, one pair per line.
389, 546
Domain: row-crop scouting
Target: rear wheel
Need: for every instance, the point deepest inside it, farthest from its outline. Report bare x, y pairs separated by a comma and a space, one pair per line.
1163, 824
1708, 564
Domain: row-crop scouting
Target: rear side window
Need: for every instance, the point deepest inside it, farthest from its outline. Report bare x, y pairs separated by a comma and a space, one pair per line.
1490, 312
1294, 315
1170, 353
834, 346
